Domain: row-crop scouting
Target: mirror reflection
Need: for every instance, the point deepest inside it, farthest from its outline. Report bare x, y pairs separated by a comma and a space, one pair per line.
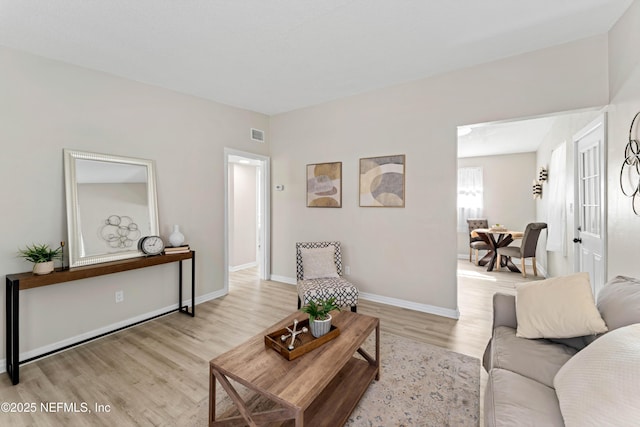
111, 204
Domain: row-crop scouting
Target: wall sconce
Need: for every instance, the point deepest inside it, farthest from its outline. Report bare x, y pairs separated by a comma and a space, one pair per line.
537, 189
543, 174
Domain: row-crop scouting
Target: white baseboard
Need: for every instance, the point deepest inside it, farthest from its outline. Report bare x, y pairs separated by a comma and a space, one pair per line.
243, 266
425, 308
109, 328
284, 279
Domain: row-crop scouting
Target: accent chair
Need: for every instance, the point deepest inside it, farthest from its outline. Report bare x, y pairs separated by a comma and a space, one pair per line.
319, 275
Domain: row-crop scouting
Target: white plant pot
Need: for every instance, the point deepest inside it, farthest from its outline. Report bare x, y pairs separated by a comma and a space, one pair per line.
320, 327
43, 267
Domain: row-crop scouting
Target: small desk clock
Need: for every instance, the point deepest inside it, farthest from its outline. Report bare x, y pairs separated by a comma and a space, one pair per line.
151, 245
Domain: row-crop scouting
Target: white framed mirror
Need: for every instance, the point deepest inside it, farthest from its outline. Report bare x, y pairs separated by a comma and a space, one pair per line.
111, 204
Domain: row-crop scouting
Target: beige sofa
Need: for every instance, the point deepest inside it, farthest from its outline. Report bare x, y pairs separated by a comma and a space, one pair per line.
520, 388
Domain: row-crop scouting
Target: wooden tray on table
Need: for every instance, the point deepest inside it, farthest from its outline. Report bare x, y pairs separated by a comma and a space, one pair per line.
304, 343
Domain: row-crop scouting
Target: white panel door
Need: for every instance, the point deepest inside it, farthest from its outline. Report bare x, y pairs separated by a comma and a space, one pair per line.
590, 235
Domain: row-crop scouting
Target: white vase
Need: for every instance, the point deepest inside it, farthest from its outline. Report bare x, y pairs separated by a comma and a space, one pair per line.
176, 238
43, 267
320, 327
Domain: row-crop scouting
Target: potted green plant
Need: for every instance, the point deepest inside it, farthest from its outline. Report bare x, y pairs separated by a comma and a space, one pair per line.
319, 317
42, 256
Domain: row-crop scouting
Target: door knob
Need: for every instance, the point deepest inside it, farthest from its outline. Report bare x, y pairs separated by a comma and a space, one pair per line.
577, 240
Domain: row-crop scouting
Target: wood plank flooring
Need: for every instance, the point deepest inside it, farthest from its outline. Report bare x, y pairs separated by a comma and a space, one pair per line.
156, 374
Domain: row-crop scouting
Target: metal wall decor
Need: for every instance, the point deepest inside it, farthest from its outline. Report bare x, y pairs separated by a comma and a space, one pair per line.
630, 170
537, 189
119, 231
543, 174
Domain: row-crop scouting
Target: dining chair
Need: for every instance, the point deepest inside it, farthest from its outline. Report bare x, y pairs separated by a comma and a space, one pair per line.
319, 275
476, 243
527, 249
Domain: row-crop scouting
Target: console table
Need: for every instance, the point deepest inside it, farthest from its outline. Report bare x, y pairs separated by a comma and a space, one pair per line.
22, 281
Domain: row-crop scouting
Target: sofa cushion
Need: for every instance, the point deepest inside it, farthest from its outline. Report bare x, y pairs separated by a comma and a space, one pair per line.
514, 400
560, 307
619, 302
538, 359
600, 385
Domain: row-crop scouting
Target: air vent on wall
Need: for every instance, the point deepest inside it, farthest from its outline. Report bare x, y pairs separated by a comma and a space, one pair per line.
257, 135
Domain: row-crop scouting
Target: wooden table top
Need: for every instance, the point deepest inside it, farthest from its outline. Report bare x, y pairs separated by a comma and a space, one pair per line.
299, 381
514, 234
29, 280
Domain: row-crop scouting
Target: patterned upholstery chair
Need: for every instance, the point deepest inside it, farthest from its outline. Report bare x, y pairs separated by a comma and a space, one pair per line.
314, 286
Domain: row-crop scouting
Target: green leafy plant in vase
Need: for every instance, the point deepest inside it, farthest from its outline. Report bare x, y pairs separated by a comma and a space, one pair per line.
319, 317
42, 256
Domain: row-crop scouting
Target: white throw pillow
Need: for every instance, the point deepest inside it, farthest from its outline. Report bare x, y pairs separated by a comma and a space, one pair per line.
318, 263
600, 386
560, 307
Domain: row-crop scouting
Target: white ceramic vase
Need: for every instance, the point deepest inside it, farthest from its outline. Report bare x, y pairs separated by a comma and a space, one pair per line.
43, 267
176, 238
320, 327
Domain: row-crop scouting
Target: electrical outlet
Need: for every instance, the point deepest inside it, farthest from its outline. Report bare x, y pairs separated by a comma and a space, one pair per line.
347, 270
119, 296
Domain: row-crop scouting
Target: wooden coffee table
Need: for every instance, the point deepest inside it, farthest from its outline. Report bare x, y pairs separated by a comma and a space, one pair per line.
321, 387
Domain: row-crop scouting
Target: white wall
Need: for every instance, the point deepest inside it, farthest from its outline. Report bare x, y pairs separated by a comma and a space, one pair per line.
47, 106
624, 72
410, 254
507, 191
243, 231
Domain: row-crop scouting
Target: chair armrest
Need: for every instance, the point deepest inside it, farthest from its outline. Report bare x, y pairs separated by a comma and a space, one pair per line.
504, 311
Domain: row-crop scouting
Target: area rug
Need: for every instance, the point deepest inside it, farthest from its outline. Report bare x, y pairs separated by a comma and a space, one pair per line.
420, 385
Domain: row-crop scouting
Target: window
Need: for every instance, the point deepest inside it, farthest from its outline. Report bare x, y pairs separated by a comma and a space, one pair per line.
470, 196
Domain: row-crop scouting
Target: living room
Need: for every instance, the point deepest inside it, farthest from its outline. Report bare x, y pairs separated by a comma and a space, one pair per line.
405, 257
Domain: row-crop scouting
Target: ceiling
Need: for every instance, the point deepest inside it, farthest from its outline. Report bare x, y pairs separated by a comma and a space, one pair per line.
273, 56
521, 136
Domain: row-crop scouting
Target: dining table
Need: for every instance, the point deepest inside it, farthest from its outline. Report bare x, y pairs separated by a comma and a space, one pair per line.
497, 237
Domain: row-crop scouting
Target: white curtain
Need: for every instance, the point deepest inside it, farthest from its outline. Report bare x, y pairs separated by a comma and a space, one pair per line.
470, 196
556, 192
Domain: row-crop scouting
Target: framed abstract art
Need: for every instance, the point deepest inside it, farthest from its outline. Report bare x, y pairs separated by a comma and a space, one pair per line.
382, 181
324, 185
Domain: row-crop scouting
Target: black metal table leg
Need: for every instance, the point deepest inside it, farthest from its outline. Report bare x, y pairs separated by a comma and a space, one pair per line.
12, 328
185, 309
193, 283
180, 307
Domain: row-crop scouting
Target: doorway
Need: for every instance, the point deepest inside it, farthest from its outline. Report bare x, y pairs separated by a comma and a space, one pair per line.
519, 149
246, 215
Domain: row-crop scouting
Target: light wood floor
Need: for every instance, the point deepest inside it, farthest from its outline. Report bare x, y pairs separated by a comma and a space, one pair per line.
156, 374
